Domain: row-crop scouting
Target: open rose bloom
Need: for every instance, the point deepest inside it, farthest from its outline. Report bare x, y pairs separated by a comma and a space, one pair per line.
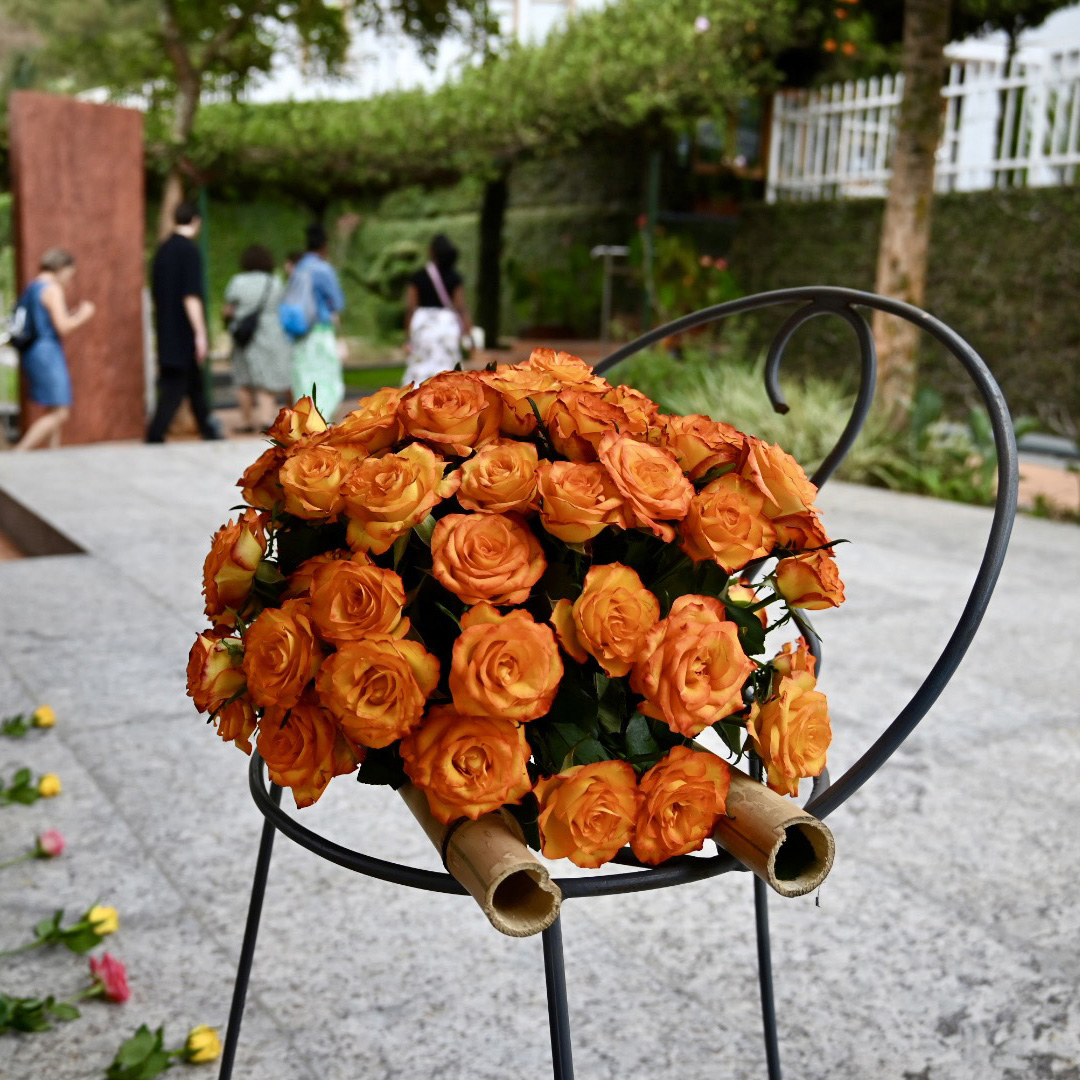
522, 588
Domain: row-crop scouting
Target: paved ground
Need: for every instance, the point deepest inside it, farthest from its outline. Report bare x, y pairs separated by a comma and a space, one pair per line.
944, 946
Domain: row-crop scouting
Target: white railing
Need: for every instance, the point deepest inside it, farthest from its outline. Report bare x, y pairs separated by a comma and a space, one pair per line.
1003, 128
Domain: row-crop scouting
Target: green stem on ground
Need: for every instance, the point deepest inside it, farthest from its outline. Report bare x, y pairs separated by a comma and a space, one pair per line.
18, 859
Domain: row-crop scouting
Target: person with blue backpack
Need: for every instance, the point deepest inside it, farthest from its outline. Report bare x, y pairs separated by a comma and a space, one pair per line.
42, 319
310, 314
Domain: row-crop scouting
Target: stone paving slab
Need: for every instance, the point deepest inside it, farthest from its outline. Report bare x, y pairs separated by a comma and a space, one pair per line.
942, 947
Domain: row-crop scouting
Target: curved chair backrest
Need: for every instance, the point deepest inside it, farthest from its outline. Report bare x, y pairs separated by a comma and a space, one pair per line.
816, 301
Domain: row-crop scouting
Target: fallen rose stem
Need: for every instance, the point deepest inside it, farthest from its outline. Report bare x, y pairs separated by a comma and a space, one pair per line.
23, 948
18, 859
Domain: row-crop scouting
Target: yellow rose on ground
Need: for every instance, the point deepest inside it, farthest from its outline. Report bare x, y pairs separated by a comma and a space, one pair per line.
810, 581
692, 667
456, 412
578, 420
202, 1045
467, 766
649, 480
384, 497
492, 557
779, 477
229, 569
104, 920
726, 523
236, 723
260, 485
588, 812
304, 749
570, 372
578, 501
681, 798
49, 786
504, 665
700, 444
373, 425
281, 654
215, 670
376, 688
499, 479
43, 717
791, 732
609, 620
311, 479
294, 422
351, 600
517, 386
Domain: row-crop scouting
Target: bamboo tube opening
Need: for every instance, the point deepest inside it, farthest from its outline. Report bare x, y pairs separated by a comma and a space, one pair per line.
802, 857
523, 901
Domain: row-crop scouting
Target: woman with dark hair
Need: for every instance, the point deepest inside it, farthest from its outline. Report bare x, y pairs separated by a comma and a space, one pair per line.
436, 314
44, 363
262, 354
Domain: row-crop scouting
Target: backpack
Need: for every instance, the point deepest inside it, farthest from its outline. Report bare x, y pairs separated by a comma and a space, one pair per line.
297, 310
21, 331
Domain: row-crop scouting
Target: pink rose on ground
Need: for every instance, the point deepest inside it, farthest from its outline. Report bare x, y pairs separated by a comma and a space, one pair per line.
50, 844
111, 975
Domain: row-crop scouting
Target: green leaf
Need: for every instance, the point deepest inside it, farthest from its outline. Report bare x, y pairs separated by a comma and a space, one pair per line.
586, 752
713, 474
751, 632
141, 1057
383, 767
425, 530
400, 544
639, 738
81, 940
63, 1010
21, 778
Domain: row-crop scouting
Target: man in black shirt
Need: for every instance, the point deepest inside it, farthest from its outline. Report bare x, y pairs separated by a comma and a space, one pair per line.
176, 282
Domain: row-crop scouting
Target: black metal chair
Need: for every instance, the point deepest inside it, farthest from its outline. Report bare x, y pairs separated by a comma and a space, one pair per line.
810, 303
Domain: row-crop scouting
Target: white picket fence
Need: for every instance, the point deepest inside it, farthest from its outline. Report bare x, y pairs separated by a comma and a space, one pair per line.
1003, 128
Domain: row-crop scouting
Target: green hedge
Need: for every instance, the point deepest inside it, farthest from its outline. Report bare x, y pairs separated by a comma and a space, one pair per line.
1004, 273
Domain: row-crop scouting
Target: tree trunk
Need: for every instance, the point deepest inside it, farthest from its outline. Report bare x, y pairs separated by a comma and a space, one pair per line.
905, 234
489, 271
185, 105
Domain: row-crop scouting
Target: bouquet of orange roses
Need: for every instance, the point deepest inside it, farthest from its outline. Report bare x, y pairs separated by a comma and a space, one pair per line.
522, 588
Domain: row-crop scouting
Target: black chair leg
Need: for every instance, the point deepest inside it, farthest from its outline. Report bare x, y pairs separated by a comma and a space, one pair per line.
764, 954
247, 950
562, 1057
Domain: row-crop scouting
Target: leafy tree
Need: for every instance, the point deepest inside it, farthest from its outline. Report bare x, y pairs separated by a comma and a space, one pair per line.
175, 51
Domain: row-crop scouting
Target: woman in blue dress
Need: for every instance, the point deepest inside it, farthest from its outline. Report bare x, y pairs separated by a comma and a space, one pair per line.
44, 364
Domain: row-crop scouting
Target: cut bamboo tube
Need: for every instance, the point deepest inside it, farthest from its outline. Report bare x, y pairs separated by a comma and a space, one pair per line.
490, 859
784, 845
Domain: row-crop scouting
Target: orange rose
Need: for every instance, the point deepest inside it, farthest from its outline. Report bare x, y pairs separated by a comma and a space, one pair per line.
587, 812
641, 411
609, 620
229, 569
384, 497
215, 670
259, 484
311, 478
726, 523
791, 732
492, 557
649, 479
517, 386
456, 411
570, 372
682, 797
692, 667
467, 766
373, 425
578, 501
304, 750
236, 723
299, 583
810, 581
578, 420
281, 654
350, 600
700, 444
779, 477
793, 659
504, 665
292, 424
377, 688
797, 532
500, 479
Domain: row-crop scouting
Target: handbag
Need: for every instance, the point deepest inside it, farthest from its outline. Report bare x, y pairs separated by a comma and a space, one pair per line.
243, 330
21, 330
444, 299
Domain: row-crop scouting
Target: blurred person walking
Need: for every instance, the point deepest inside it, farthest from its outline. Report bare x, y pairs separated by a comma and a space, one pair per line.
262, 354
44, 364
437, 319
310, 313
176, 283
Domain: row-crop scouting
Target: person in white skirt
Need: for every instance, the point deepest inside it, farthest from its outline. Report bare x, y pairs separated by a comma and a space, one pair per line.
437, 319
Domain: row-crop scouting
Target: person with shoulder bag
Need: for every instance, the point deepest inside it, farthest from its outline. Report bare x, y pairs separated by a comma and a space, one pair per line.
437, 319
